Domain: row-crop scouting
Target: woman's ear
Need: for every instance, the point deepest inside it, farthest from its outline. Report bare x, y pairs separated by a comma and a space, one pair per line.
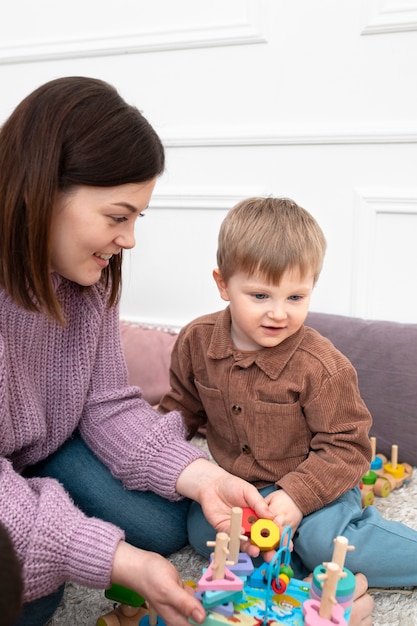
221, 284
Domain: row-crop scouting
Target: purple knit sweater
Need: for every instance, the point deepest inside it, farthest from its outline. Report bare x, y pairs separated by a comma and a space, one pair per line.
53, 380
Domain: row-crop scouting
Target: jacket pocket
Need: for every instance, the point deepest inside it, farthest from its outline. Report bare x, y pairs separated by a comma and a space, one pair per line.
213, 403
280, 431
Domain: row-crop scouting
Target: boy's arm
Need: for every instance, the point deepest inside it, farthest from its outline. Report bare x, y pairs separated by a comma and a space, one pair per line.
340, 450
183, 395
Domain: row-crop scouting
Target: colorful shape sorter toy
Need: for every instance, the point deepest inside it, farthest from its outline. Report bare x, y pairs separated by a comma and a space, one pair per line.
269, 594
236, 593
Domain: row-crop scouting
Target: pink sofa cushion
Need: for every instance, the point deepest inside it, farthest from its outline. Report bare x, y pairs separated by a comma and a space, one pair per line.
147, 352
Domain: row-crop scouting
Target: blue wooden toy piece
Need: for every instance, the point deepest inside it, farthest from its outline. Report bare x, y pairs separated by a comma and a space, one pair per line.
149, 620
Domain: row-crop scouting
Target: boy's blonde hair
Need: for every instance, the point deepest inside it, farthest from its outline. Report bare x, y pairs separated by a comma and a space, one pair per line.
269, 236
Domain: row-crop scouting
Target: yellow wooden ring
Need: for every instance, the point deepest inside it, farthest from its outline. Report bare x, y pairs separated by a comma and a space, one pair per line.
397, 472
265, 534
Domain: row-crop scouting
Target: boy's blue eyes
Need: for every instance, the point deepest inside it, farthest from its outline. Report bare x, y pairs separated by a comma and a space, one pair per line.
263, 296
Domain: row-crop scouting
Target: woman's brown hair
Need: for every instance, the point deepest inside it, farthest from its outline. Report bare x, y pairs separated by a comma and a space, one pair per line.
70, 131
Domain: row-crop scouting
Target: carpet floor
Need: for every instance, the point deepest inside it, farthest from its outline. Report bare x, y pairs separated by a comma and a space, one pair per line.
82, 606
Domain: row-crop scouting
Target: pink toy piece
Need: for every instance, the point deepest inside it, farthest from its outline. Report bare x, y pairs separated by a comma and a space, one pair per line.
311, 610
230, 582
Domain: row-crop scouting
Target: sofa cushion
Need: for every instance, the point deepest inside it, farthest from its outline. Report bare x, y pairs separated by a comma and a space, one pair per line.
385, 356
383, 353
148, 352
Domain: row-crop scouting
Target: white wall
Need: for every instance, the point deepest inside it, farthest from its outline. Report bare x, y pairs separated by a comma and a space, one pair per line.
312, 100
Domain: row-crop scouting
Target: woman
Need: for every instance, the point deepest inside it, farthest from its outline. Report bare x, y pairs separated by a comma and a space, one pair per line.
91, 478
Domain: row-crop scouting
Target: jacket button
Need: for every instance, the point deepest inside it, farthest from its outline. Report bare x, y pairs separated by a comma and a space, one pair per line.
237, 410
246, 449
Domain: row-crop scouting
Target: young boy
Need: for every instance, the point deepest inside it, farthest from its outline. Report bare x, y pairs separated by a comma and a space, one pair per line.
280, 404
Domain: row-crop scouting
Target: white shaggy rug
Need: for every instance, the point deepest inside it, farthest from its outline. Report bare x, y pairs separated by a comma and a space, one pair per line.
82, 607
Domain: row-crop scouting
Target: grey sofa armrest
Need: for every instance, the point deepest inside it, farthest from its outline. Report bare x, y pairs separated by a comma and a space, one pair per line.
384, 355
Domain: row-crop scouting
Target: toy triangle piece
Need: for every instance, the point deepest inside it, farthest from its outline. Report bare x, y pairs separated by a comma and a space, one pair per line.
230, 582
212, 599
311, 611
244, 565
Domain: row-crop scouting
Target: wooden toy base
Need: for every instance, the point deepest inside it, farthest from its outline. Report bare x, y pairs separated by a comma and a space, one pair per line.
124, 615
284, 609
121, 616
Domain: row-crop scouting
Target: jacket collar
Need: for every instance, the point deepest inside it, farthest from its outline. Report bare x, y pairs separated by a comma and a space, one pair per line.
270, 360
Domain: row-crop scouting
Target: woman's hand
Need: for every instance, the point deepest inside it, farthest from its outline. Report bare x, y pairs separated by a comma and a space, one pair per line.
157, 580
218, 492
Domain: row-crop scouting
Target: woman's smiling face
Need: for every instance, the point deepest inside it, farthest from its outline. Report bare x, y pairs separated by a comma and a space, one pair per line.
91, 224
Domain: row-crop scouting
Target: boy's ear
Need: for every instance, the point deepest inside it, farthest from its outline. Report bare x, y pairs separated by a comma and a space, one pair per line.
221, 284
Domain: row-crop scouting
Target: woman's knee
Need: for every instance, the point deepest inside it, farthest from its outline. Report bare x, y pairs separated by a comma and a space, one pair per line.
148, 520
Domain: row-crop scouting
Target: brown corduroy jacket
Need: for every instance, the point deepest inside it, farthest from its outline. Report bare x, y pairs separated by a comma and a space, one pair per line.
290, 415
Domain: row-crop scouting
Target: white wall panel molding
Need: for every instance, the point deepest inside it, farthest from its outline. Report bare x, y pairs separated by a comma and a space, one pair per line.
389, 16
241, 23
389, 132
179, 240
385, 255
189, 199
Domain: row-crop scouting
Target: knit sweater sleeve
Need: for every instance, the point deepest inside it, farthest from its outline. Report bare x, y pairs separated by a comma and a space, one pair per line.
183, 395
147, 451
54, 540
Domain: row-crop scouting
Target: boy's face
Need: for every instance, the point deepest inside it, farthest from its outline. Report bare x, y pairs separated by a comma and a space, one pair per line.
264, 315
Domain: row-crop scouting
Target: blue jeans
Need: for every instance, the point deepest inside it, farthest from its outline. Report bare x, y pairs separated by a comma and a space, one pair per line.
385, 551
149, 521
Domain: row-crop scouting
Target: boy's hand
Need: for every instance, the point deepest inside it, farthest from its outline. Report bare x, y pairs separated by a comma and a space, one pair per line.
285, 511
363, 603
